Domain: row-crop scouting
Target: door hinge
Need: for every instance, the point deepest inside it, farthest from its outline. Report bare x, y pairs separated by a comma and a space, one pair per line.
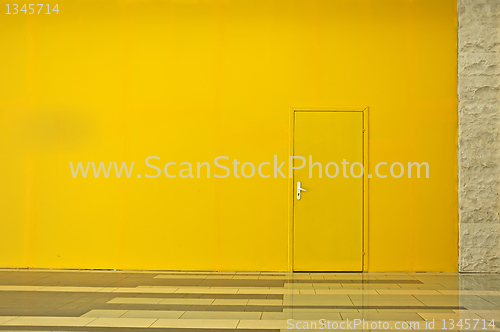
363, 129
363, 254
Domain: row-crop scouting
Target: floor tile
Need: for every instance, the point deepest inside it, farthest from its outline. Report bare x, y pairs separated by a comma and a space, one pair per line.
319, 310
152, 314
230, 302
346, 291
408, 292
386, 300
220, 315
487, 314
136, 300
49, 321
386, 316
105, 313
4, 319
197, 323
297, 315
187, 301
468, 292
262, 324
122, 322
207, 290
266, 302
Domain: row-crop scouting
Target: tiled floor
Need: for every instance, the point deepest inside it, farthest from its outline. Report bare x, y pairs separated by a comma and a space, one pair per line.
198, 301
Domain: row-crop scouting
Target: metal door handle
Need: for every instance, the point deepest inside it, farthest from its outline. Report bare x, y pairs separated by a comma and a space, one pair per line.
299, 189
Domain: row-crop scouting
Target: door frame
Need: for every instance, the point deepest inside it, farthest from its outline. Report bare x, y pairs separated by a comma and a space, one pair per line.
291, 196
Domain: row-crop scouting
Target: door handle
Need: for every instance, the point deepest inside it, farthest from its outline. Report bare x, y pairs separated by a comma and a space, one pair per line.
299, 189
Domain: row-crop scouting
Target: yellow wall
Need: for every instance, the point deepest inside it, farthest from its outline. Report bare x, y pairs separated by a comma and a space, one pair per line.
188, 80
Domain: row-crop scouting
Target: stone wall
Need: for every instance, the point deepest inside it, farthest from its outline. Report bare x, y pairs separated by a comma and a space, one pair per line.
479, 137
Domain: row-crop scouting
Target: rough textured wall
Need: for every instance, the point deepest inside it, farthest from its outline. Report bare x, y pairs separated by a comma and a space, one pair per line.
479, 139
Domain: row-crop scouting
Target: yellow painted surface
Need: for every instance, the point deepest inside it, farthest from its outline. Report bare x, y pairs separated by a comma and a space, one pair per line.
328, 218
189, 80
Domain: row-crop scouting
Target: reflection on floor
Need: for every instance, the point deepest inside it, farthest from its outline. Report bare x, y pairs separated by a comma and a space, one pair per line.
45, 300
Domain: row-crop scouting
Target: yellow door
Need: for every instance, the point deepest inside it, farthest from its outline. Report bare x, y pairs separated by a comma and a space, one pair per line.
328, 217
